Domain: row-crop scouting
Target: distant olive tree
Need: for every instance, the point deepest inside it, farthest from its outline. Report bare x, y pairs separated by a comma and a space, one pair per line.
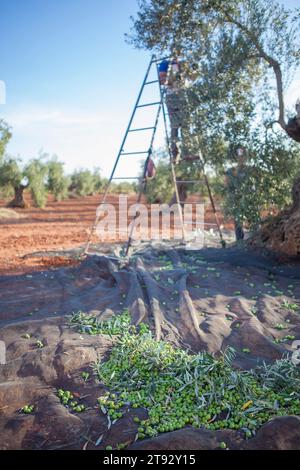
36, 173
15, 177
123, 188
86, 182
160, 189
12, 180
57, 183
5, 136
249, 39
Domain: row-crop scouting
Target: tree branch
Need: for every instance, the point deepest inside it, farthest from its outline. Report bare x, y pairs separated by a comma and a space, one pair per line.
270, 60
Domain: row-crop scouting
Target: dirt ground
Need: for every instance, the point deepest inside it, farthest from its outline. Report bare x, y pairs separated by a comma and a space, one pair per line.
58, 227
200, 299
203, 299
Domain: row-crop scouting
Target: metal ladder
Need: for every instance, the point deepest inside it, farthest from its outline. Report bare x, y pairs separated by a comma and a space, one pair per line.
148, 152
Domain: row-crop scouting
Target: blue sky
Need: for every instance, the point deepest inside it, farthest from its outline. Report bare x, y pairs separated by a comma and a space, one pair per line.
71, 80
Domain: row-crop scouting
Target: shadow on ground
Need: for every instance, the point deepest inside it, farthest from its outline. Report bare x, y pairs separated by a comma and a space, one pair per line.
202, 300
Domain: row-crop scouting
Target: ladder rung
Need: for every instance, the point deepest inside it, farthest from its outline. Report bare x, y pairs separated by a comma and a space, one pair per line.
184, 203
189, 181
152, 81
183, 160
127, 178
204, 223
135, 153
141, 129
148, 104
160, 60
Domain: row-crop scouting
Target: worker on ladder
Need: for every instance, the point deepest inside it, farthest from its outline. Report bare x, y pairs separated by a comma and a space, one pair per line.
171, 76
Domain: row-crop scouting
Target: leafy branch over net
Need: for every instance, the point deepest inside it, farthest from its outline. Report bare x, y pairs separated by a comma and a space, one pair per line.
178, 388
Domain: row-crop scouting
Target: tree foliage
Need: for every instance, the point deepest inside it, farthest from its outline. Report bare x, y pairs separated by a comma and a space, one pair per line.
244, 53
42, 175
86, 182
125, 187
10, 173
253, 36
5, 136
57, 183
265, 185
161, 188
36, 173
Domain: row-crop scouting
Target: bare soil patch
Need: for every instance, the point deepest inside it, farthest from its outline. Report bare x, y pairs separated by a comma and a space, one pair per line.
59, 227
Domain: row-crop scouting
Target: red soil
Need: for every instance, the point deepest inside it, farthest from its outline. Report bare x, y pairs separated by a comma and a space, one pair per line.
60, 226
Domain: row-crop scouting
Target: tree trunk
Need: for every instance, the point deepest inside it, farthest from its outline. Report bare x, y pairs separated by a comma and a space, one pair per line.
293, 129
182, 194
281, 234
18, 200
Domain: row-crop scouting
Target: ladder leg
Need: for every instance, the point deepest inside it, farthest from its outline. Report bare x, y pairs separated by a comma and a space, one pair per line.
179, 207
94, 225
223, 243
172, 165
143, 186
144, 181
96, 221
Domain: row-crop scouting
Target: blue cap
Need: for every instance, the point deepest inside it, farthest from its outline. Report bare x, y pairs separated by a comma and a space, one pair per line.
163, 66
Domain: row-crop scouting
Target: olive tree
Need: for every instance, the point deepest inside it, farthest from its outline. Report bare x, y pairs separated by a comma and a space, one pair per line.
57, 183
267, 178
265, 39
14, 176
86, 182
5, 136
36, 173
12, 179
